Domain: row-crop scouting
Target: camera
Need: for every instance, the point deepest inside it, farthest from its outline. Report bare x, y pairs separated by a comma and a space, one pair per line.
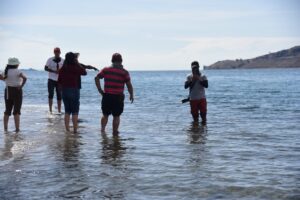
185, 100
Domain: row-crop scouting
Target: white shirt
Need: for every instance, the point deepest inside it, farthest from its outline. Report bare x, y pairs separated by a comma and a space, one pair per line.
13, 78
198, 91
53, 66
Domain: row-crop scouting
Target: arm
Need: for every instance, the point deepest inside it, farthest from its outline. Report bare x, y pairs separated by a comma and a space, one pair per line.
187, 84
190, 82
88, 67
50, 70
24, 79
204, 82
130, 90
81, 70
1, 77
98, 85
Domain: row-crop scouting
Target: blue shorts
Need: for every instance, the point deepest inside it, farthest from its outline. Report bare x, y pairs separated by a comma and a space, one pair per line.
71, 98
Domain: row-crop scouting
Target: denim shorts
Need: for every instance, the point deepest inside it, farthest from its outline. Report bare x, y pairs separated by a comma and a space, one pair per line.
71, 98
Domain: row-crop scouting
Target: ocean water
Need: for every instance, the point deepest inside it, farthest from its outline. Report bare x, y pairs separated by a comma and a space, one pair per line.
249, 149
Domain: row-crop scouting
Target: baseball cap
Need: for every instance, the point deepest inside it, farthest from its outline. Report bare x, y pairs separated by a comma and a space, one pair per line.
116, 57
195, 64
56, 49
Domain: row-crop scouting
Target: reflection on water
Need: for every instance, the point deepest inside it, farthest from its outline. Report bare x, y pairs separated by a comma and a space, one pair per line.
9, 140
197, 136
75, 174
71, 147
112, 149
197, 133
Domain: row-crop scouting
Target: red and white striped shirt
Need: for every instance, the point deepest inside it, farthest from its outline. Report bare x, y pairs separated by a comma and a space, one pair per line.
114, 79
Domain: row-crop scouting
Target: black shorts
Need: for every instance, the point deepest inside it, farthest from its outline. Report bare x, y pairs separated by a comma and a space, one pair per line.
13, 100
112, 104
51, 86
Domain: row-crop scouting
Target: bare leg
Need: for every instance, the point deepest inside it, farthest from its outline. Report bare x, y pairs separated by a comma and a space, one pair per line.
17, 122
116, 123
75, 122
203, 117
59, 106
5, 121
196, 118
104, 121
67, 122
50, 105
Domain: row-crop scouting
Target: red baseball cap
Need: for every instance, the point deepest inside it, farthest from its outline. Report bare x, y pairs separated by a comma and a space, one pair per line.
56, 49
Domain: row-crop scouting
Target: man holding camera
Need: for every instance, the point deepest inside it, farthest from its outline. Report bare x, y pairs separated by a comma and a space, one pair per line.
197, 84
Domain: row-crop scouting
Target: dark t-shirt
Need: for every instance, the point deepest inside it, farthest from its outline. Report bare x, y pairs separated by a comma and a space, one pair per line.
69, 76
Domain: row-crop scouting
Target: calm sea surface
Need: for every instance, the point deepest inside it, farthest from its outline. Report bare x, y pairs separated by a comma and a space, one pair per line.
250, 148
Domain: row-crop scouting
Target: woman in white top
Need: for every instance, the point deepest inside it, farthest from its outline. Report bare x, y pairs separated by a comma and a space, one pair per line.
14, 80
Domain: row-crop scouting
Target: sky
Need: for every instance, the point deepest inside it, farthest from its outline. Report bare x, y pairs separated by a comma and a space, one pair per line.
150, 34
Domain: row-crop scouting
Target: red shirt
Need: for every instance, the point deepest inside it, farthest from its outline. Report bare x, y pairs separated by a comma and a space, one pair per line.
69, 76
114, 79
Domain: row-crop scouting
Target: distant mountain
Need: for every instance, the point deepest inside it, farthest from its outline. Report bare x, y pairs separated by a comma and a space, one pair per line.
29, 69
289, 58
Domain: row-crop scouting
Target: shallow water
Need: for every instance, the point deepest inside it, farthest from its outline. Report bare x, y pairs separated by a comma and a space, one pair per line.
250, 148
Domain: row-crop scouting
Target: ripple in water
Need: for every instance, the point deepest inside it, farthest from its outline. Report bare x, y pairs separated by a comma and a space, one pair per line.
248, 150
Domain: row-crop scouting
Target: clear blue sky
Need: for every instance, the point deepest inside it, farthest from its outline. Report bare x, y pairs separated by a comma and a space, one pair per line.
150, 34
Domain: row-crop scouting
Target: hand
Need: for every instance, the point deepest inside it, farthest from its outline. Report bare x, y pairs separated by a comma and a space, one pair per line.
196, 77
91, 67
131, 98
101, 91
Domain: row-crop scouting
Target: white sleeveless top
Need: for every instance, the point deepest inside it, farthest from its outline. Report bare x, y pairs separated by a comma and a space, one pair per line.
13, 78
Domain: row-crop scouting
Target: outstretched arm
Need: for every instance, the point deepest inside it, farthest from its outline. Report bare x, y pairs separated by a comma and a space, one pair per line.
98, 85
88, 67
130, 90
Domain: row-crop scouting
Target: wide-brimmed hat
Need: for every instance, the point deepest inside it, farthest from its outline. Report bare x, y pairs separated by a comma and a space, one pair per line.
13, 61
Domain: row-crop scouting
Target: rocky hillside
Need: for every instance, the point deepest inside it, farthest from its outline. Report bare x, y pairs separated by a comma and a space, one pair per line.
289, 58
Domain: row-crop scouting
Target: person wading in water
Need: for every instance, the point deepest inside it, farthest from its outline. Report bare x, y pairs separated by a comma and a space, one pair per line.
197, 84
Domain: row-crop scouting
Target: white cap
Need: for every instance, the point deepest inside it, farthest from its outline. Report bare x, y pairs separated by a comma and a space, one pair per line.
13, 61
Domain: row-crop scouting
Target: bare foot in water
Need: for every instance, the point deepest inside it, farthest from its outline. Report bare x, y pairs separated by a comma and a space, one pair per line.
116, 133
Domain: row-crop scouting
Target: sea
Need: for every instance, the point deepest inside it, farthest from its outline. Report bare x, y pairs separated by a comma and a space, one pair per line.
249, 149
